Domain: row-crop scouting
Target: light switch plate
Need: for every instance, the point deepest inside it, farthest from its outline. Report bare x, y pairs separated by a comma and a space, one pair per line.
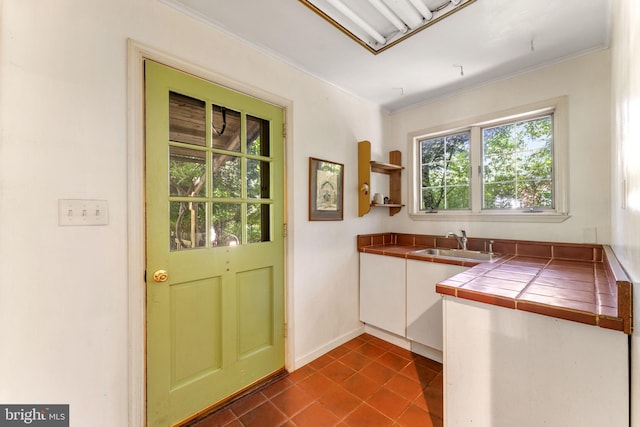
75, 212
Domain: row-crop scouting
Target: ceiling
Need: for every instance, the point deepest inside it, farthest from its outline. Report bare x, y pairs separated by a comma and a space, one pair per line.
489, 39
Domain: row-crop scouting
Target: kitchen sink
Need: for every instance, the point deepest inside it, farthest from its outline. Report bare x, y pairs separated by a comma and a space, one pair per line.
456, 253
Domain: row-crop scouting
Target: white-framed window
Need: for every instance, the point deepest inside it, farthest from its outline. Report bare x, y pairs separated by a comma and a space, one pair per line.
506, 166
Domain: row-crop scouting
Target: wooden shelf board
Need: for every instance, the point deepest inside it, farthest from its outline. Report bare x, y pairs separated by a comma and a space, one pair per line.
385, 167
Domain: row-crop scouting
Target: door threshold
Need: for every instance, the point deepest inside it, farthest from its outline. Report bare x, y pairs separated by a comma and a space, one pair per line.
224, 403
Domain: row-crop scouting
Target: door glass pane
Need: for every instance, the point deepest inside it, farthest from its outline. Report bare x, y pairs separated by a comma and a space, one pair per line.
257, 136
225, 128
257, 179
187, 172
187, 225
226, 224
258, 222
226, 176
187, 122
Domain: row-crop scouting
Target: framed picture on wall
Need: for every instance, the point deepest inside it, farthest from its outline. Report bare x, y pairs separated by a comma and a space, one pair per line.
326, 185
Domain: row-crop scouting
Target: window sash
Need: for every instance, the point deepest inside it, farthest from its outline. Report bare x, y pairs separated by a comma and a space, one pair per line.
557, 212
447, 160
516, 152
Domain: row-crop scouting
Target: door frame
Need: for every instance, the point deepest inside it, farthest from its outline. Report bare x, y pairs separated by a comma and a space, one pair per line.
137, 53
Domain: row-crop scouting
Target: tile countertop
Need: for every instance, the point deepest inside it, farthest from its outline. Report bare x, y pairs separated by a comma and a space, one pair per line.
578, 282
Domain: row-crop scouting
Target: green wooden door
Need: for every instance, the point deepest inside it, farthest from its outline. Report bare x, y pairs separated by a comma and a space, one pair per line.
214, 224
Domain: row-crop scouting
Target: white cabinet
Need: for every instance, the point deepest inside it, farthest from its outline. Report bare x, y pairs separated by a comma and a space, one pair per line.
399, 296
424, 304
383, 292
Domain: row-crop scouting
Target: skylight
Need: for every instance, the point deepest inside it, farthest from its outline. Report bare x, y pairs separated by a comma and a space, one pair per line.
379, 24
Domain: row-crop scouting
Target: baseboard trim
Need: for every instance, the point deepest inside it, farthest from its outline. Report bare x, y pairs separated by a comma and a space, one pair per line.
388, 337
421, 349
402, 342
426, 351
311, 356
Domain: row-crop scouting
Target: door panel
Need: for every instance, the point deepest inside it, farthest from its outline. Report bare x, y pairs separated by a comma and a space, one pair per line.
195, 317
255, 304
214, 215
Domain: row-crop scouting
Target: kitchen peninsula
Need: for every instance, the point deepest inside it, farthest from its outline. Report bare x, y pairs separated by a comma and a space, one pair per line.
536, 336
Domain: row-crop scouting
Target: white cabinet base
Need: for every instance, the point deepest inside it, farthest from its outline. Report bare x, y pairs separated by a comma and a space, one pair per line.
383, 292
414, 347
399, 302
424, 304
505, 368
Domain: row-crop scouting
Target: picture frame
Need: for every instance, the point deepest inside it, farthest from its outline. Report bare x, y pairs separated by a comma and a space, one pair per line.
326, 190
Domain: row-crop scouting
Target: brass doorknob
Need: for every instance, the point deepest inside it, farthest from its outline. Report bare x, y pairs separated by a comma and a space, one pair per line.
160, 276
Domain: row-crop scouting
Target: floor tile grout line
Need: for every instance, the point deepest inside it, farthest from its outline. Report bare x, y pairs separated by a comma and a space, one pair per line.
394, 357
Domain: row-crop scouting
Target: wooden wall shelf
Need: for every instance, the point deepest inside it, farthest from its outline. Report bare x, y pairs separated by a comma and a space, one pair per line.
393, 169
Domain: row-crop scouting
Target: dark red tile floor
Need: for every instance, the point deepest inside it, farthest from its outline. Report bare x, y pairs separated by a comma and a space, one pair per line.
365, 382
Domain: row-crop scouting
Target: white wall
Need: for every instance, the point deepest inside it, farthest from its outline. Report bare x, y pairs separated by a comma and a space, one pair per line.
625, 205
585, 80
64, 291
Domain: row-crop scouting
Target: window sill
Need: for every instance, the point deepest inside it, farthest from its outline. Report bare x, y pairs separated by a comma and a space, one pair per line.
491, 217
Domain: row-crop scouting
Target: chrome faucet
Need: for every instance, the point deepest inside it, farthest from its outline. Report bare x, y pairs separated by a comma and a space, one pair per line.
462, 240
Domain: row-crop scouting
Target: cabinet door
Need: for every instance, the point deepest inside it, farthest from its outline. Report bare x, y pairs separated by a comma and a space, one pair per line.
424, 304
382, 292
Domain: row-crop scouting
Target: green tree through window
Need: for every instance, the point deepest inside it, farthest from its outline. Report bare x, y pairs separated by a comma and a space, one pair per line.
445, 172
517, 165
